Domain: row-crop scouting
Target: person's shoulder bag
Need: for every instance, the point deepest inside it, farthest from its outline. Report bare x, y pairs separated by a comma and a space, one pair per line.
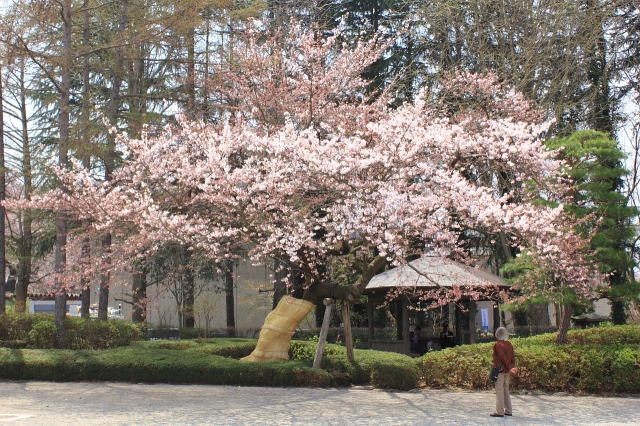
493, 376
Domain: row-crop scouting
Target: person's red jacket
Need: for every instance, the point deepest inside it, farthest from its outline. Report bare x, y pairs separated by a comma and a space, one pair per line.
503, 356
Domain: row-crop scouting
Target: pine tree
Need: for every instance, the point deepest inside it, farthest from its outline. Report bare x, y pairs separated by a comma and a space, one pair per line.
595, 165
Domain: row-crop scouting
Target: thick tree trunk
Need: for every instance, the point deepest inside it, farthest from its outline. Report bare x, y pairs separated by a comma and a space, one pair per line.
109, 161
279, 287
317, 292
561, 337
25, 249
473, 337
138, 313
230, 300
188, 294
275, 336
3, 279
294, 309
348, 338
618, 311
22, 286
105, 279
538, 316
85, 282
63, 161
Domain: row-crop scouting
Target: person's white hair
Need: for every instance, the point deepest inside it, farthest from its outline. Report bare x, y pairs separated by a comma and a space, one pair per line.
502, 334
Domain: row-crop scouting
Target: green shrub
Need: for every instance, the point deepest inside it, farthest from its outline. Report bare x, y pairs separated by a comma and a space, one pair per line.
44, 335
16, 326
384, 370
307, 350
128, 332
302, 350
82, 333
625, 370
604, 336
91, 333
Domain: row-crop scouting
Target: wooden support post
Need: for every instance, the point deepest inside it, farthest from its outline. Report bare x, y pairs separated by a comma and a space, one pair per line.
323, 333
370, 320
496, 316
348, 339
399, 312
458, 335
406, 342
473, 337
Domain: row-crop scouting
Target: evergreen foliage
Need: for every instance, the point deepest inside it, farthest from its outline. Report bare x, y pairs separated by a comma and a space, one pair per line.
595, 165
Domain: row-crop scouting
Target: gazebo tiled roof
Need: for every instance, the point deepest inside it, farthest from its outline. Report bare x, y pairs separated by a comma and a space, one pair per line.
434, 271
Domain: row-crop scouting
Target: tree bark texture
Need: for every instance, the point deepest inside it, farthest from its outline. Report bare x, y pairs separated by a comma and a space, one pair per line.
3, 278
473, 310
561, 337
279, 287
105, 279
85, 256
348, 338
138, 313
229, 299
63, 161
188, 294
322, 339
25, 245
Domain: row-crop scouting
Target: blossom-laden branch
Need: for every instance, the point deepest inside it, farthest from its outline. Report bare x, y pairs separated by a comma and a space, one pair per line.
343, 176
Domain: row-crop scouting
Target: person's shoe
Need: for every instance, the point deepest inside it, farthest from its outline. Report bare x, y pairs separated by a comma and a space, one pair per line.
496, 415
508, 414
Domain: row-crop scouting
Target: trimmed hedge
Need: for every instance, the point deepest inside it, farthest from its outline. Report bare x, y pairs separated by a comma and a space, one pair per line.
206, 361
167, 366
384, 370
605, 359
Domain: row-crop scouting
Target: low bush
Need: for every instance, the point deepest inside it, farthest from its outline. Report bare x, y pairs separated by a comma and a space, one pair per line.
307, 350
44, 335
82, 333
16, 326
384, 370
336, 335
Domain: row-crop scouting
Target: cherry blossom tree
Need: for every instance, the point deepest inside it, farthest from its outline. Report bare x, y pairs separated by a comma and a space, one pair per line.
311, 171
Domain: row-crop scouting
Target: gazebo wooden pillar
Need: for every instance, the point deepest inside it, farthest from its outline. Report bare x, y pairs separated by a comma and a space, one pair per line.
458, 318
473, 310
406, 343
371, 333
496, 316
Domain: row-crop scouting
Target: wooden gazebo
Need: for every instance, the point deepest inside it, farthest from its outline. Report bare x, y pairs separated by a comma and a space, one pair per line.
589, 319
428, 272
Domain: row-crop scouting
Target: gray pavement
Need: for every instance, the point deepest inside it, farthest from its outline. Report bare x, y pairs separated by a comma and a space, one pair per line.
51, 404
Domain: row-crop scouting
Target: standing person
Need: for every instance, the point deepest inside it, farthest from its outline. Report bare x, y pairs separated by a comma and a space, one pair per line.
415, 342
505, 359
446, 337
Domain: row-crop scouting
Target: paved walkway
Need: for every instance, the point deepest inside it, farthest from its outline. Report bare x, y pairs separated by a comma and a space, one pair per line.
51, 404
